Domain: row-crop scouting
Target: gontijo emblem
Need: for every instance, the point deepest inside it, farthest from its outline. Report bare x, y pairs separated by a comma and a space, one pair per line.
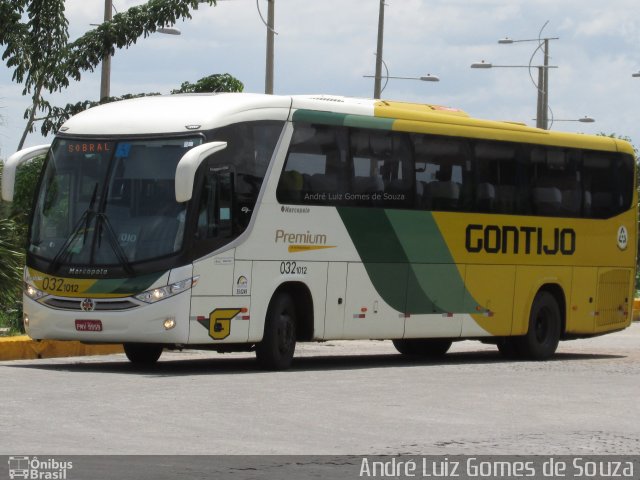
623, 238
219, 322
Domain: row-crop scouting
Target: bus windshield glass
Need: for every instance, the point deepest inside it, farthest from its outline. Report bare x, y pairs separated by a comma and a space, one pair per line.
109, 202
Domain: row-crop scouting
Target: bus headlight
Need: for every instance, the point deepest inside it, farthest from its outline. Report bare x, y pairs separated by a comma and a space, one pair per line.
157, 294
32, 292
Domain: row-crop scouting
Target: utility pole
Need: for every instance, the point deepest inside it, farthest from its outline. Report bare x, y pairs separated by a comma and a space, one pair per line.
378, 76
268, 82
545, 86
540, 112
105, 78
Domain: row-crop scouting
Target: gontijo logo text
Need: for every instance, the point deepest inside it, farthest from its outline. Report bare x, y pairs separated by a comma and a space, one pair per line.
302, 241
523, 239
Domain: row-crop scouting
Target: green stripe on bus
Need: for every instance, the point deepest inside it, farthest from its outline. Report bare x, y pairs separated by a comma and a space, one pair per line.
407, 260
341, 119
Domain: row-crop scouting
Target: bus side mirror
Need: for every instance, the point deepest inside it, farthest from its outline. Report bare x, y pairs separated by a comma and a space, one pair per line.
11, 165
187, 166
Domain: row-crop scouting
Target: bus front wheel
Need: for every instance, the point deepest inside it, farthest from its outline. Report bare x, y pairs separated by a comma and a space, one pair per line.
545, 325
424, 347
143, 353
275, 351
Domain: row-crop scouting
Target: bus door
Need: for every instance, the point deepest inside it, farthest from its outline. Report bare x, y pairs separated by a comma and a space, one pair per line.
216, 306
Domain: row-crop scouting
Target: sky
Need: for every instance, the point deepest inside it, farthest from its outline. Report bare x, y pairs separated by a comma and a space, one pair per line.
327, 46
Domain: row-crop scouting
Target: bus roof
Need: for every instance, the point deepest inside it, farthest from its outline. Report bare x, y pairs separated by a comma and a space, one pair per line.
193, 112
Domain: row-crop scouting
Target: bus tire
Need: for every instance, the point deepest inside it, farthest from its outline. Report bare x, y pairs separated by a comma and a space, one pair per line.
423, 347
545, 325
275, 351
143, 353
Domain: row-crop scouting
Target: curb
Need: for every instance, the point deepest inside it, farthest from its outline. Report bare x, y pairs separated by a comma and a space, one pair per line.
24, 348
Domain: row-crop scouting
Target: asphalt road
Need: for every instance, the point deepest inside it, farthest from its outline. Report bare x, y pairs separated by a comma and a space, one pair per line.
356, 398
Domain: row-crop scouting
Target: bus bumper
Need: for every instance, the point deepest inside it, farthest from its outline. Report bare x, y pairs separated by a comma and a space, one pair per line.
145, 323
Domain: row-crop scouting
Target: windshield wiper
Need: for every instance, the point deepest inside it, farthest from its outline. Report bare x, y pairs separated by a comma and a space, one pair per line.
113, 242
85, 219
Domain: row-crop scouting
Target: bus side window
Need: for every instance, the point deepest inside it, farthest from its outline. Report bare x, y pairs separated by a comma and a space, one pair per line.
314, 171
250, 146
497, 189
608, 183
442, 173
214, 209
382, 169
556, 182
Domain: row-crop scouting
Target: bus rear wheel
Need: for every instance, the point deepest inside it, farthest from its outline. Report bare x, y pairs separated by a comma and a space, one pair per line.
275, 351
423, 347
143, 353
545, 325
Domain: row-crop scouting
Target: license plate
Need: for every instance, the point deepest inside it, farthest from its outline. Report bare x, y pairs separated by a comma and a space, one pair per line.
89, 325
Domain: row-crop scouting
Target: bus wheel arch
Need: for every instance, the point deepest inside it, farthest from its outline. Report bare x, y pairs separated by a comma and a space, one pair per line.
546, 325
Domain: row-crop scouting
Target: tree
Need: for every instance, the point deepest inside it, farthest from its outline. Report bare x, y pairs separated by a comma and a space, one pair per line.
220, 82
43, 59
12, 255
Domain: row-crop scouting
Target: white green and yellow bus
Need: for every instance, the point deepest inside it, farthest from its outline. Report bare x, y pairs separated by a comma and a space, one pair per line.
253, 222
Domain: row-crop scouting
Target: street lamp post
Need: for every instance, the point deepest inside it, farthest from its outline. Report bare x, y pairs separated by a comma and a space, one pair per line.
424, 78
268, 81
585, 119
105, 73
542, 109
377, 91
543, 99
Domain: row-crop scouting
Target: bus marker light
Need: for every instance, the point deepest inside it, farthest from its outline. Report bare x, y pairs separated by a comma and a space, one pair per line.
363, 309
447, 314
245, 317
359, 315
169, 323
25, 319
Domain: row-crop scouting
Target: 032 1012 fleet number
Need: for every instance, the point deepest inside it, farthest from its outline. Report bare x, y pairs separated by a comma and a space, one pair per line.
59, 285
291, 268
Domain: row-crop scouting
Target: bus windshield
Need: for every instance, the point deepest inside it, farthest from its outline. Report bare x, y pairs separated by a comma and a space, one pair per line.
109, 202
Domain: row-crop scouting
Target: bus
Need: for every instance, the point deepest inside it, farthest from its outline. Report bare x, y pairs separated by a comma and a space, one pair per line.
248, 222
